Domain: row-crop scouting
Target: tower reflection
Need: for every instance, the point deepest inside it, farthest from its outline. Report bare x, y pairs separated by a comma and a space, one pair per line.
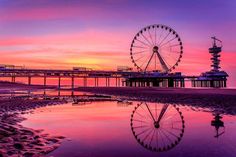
156, 126
218, 124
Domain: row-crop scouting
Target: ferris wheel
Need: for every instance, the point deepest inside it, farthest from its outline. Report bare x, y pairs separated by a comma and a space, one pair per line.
157, 127
156, 48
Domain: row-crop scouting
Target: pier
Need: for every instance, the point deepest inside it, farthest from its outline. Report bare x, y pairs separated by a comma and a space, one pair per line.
154, 66
71, 74
122, 79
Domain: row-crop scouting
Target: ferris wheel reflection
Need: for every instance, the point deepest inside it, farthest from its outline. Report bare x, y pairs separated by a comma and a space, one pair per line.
156, 126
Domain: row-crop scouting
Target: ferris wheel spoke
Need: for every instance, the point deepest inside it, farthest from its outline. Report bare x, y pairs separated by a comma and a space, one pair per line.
176, 128
142, 132
171, 116
144, 62
152, 137
146, 39
150, 112
176, 51
144, 139
166, 52
155, 59
167, 110
167, 42
138, 58
155, 35
143, 42
161, 137
160, 35
164, 38
171, 126
171, 133
138, 52
145, 117
162, 113
151, 38
141, 126
171, 57
179, 121
157, 139
137, 120
146, 113
141, 47
139, 114
174, 45
167, 137
156, 110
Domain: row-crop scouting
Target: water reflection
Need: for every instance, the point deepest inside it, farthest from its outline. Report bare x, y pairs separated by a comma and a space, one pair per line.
218, 124
157, 127
103, 128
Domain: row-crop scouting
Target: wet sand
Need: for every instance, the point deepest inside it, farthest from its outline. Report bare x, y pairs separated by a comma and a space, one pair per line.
9, 88
15, 139
218, 99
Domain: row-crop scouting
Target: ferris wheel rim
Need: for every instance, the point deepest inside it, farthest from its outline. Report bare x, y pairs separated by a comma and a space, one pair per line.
178, 59
170, 146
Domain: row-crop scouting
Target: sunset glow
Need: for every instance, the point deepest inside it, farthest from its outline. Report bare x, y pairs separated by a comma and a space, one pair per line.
64, 34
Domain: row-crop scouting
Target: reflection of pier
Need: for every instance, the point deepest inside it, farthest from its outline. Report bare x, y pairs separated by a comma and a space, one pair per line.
75, 98
124, 102
157, 127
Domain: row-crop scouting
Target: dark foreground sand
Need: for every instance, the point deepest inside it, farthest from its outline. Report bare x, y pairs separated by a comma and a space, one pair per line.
15, 139
218, 99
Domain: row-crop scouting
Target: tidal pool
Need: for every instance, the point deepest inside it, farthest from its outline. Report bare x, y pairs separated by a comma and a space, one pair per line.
131, 128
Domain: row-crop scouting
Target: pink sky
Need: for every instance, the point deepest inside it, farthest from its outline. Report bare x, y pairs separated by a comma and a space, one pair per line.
65, 34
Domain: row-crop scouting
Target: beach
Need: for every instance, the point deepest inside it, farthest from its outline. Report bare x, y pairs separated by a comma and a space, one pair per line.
11, 88
18, 139
15, 139
219, 99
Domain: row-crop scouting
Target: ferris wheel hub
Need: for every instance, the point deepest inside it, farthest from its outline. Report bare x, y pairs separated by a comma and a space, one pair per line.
155, 49
156, 125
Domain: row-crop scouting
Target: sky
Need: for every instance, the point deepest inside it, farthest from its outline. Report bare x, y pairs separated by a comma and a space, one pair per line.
63, 34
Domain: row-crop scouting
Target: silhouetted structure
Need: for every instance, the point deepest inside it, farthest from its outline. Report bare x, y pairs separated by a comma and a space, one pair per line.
218, 123
156, 79
215, 77
155, 51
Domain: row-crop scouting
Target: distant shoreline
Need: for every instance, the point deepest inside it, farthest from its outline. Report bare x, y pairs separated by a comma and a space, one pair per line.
218, 99
202, 97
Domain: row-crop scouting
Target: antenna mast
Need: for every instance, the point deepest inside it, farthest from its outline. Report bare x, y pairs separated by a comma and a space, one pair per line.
215, 52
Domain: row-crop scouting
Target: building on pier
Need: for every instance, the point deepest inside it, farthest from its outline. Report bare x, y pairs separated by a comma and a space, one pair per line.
215, 77
156, 79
